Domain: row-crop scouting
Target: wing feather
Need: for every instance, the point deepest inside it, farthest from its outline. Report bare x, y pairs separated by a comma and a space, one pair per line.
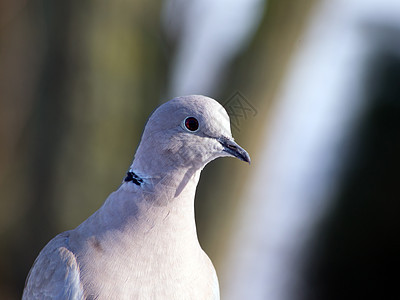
55, 273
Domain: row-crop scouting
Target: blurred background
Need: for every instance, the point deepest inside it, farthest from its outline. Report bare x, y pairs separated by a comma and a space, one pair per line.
313, 90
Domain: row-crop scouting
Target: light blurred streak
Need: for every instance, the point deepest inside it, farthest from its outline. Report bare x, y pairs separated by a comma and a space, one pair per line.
302, 150
210, 34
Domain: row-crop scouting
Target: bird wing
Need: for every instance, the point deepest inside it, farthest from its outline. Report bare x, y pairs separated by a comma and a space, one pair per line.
55, 273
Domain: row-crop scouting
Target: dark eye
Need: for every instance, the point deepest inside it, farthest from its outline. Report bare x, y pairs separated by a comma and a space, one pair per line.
191, 124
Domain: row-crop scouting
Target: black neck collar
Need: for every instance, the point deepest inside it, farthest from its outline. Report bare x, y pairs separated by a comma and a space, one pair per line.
131, 176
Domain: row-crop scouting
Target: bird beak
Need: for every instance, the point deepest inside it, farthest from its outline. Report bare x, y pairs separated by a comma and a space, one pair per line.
234, 149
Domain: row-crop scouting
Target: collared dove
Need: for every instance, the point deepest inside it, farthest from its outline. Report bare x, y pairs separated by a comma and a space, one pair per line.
142, 243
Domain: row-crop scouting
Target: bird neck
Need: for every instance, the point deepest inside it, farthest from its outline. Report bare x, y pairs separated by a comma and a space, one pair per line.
163, 173
157, 157
169, 186
152, 204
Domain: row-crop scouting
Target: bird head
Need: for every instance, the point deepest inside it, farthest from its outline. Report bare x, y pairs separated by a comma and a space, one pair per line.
188, 132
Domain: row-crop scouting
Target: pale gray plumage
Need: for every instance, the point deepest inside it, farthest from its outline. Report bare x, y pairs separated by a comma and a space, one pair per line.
142, 243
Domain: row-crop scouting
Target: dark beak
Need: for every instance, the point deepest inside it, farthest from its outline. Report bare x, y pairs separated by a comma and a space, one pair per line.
234, 149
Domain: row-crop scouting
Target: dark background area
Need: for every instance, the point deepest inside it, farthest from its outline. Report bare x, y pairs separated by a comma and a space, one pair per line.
357, 249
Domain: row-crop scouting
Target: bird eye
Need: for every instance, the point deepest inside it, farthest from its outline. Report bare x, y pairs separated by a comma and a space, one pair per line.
191, 124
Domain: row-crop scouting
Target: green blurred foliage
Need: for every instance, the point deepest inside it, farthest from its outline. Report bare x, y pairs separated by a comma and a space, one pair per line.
78, 80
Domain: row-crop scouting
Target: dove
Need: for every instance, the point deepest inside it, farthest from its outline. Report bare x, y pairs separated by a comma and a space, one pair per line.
142, 242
